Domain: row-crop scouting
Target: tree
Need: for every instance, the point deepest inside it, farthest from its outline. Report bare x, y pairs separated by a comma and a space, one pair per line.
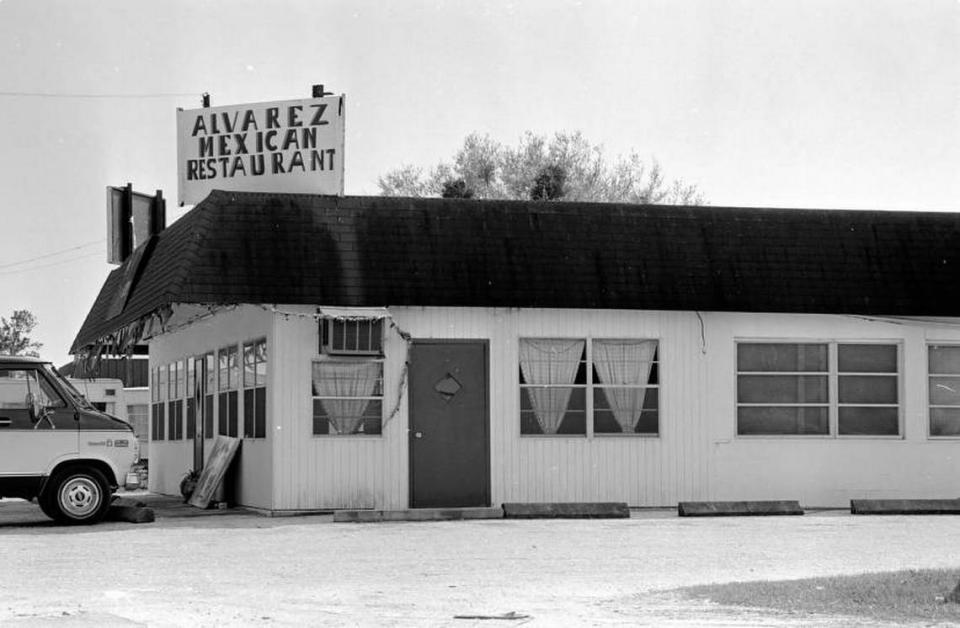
563, 167
15, 334
456, 188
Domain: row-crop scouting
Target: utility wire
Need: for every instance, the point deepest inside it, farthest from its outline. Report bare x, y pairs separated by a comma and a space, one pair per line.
55, 253
60, 263
81, 95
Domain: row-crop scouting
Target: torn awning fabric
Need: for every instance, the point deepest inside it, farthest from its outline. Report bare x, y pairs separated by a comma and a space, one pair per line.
353, 313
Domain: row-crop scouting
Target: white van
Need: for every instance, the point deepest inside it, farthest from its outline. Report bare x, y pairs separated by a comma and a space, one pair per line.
55, 446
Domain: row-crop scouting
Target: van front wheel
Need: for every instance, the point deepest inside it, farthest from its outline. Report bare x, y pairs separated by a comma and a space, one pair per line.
74, 496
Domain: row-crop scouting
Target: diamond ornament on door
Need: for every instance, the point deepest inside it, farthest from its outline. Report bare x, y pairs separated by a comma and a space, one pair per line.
447, 387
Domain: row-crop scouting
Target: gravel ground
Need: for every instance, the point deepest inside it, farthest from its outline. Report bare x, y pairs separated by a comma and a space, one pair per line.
244, 569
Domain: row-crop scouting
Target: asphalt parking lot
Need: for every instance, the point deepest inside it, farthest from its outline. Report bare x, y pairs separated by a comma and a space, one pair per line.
238, 568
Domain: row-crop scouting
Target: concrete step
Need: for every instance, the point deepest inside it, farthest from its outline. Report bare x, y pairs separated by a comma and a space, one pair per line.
416, 514
739, 509
567, 510
905, 506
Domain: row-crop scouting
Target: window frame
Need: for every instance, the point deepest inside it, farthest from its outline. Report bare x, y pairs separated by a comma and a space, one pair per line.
211, 393
833, 377
926, 389
258, 388
44, 385
591, 385
226, 387
176, 400
357, 359
326, 332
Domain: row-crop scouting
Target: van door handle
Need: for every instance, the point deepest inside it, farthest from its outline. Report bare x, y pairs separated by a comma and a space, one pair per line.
5, 422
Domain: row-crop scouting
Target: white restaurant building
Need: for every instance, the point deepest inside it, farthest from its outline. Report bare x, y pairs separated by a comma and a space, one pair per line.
392, 353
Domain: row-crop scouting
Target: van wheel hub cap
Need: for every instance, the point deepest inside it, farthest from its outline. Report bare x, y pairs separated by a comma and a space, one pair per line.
79, 497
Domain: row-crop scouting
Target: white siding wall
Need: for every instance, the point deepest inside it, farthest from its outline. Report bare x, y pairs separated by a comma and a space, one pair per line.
324, 472
828, 471
355, 472
697, 455
170, 460
642, 471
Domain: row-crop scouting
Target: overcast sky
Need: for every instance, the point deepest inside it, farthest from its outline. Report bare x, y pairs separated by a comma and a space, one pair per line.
824, 104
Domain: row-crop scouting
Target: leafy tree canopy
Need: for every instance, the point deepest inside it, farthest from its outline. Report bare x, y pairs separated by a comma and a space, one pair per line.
15, 334
564, 167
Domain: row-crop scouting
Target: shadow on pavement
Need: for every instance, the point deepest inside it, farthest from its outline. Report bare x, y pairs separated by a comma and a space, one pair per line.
20, 516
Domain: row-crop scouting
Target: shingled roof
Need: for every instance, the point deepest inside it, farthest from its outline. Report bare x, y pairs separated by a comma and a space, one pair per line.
379, 251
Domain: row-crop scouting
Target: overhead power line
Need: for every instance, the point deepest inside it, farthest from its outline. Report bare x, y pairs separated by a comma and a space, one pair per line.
82, 95
54, 254
50, 265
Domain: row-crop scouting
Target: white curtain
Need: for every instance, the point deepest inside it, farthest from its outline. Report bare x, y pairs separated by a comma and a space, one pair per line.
550, 362
624, 363
346, 380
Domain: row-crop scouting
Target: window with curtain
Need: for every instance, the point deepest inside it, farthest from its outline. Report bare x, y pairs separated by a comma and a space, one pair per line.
784, 389
347, 397
943, 373
557, 378
626, 391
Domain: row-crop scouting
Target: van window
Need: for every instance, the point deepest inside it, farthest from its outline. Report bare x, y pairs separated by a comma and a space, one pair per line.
20, 387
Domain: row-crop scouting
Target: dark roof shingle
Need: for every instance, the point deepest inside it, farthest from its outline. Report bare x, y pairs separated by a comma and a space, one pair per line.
377, 251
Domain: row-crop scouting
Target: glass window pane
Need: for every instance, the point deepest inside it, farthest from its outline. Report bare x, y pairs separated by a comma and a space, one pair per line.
211, 372
554, 410
772, 421
781, 357
191, 377
944, 421
367, 423
867, 358
163, 383
249, 367
224, 369
633, 414
945, 391
869, 421
776, 389
376, 338
13, 390
867, 389
234, 364
172, 380
944, 359
261, 356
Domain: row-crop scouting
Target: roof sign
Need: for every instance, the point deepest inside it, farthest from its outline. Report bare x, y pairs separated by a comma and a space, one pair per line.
285, 146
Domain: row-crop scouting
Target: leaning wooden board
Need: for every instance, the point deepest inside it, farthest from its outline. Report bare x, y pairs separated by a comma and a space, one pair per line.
223, 451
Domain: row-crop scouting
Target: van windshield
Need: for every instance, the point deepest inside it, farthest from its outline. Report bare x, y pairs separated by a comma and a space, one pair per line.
68, 388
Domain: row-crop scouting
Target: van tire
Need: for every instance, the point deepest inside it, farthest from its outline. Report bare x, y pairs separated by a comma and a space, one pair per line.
76, 496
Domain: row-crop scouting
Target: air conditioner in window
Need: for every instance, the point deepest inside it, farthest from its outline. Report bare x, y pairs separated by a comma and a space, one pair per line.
351, 337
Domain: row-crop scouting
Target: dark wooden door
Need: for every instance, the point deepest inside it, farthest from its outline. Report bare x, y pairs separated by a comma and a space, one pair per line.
449, 425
